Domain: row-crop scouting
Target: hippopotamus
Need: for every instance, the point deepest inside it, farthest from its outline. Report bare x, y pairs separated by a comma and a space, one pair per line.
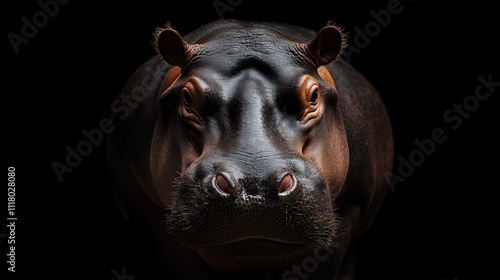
249, 150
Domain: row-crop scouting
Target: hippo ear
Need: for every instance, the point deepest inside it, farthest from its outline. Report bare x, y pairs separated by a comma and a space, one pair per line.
171, 46
326, 46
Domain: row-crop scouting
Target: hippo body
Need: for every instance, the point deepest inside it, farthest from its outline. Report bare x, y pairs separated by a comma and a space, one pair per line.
249, 150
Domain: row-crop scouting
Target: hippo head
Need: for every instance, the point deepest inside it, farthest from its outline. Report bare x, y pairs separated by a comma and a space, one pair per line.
249, 151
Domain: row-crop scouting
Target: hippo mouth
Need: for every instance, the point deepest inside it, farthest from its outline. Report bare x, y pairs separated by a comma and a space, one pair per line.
255, 248
252, 252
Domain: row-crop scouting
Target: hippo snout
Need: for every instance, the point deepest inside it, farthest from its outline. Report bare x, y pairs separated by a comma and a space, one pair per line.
227, 211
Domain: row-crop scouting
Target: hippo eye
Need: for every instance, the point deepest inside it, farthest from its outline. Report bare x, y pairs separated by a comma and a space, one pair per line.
314, 97
190, 104
186, 98
314, 93
310, 100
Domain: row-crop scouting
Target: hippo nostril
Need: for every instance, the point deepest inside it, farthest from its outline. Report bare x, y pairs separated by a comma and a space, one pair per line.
221, 184
286, 184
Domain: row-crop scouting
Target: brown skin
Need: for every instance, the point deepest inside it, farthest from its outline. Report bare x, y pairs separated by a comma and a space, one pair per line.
258, 148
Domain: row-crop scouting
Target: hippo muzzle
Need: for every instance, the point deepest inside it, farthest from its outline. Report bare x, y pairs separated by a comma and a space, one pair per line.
273, 212
272, 216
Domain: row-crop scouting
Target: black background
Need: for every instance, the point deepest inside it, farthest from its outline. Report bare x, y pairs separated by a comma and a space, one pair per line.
440, 223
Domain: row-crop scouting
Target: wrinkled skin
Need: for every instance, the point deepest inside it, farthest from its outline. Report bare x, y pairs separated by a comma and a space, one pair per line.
250, 150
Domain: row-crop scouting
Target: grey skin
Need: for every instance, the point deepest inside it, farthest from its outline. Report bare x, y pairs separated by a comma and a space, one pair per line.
249, 150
